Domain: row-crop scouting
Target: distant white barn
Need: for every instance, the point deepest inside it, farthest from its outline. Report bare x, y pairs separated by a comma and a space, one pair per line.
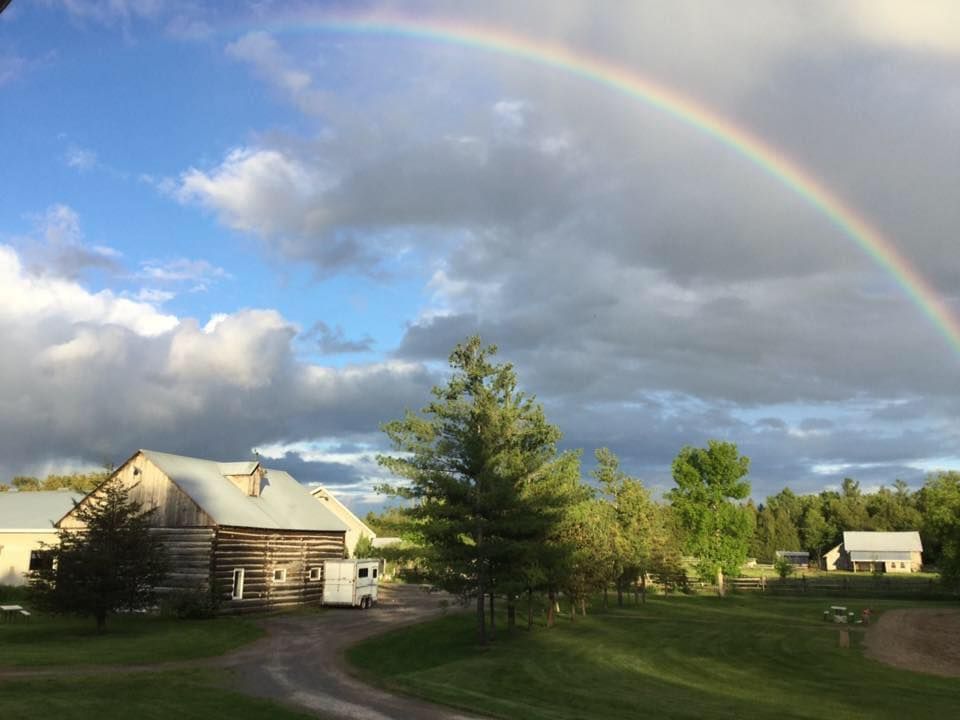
355, 526
26, 521
894, 552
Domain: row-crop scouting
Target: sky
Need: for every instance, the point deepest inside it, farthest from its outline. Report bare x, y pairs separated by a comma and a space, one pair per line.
263, 226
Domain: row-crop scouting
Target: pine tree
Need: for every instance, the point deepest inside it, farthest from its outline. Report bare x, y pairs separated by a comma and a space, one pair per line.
112, 563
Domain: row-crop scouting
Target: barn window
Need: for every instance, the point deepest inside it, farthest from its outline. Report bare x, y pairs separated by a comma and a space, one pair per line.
374, 572
362, 572
315, 573
237, 590
903, 565
41, 560
280, 575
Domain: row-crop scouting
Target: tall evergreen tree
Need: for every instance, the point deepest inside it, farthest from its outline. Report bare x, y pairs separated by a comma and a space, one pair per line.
468, 457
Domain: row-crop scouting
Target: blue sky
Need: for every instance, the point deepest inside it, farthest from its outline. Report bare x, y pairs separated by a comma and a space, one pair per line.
223, 228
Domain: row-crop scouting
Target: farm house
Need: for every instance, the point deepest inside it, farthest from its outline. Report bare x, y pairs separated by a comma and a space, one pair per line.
254, 534
26, 522
899, 552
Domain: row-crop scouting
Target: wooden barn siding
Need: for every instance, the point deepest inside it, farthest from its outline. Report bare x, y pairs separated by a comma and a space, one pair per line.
259, 553
190, 557
151, 487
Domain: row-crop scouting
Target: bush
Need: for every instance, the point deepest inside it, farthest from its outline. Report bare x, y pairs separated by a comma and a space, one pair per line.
14, 593
190, 604
783, 567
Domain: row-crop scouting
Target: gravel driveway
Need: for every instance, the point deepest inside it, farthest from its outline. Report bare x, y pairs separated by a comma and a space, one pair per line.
300, 662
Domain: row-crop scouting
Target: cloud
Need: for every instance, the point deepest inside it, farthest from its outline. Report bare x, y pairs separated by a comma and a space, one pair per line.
332, 341
80, 158
198, 273
57, 246
262, 52
90, 376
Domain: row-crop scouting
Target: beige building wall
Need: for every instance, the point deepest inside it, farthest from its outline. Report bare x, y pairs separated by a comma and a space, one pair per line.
355, 526
15, 548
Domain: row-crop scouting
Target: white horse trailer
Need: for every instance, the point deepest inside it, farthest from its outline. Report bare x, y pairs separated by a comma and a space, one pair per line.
350, 582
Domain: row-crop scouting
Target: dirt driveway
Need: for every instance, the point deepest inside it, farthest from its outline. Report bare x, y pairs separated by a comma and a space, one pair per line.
925, 640
300, 661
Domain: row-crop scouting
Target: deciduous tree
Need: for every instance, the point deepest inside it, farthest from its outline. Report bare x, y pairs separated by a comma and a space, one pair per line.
709, 484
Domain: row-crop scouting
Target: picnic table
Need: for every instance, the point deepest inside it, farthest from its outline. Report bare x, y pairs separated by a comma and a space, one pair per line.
13, 612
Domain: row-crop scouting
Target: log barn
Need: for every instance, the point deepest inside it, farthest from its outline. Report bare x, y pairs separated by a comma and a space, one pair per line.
253, 536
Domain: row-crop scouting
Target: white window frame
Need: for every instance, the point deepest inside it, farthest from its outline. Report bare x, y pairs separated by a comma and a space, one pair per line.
236, 589
315, 573
283, 575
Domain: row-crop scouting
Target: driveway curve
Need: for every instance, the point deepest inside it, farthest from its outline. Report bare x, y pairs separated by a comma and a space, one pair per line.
300, 662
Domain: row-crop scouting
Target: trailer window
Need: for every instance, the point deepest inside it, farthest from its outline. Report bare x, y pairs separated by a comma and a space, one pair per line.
314, 573
280, 575
363, 572
236, 591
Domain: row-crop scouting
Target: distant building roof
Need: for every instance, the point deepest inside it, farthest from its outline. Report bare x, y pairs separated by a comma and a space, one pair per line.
342, 511
283, 503
878, 542
34, 511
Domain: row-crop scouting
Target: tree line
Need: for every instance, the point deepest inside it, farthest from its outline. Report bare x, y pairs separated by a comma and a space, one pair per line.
815, 522
76, 482
494, 512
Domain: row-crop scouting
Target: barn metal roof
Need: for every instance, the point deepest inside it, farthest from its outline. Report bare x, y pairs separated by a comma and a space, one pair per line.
879, 555
873, 542
34, 511
283, 503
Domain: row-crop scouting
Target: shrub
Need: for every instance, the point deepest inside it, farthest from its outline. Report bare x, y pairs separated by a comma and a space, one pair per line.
196, 604
783, 567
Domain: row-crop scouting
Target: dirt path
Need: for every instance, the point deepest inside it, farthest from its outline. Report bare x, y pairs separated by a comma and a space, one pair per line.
300, 661
926, 640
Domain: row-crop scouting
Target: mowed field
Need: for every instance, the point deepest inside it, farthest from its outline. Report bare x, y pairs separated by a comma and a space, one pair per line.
746, 656
83, 673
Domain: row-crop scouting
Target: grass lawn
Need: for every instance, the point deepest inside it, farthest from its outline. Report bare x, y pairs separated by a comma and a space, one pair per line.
46, 640
746, 656
144, 696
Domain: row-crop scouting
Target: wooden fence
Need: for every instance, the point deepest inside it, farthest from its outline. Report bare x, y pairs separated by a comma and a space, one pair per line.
847, 586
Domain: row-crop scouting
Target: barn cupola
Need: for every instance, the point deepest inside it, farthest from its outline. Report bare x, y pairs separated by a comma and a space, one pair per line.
247, 476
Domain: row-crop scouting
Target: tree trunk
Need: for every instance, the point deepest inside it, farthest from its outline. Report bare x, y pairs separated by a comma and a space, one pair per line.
511, 612
720, 590
619, 592
583, 606
551, 607
493, 619
481, 594
643, 588
529, 608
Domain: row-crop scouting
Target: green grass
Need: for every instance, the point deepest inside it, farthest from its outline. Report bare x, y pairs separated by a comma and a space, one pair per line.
677, 657
145, 696
46, 640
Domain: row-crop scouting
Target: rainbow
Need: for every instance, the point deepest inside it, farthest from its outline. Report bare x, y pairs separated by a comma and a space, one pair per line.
676, 105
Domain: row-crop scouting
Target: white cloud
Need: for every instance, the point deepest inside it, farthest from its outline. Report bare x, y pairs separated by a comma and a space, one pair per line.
254, 190
929, 25
29, 298
80, 158
181, 270
261, 51
94, 376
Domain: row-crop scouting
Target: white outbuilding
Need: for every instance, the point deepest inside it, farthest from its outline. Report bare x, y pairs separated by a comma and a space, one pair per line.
893, 552
26, 523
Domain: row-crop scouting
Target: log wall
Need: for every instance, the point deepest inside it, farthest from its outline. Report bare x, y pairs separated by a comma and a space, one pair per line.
189, 554
260, 553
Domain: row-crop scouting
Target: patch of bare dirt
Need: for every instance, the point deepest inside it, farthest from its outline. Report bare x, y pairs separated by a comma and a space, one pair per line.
924, 640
